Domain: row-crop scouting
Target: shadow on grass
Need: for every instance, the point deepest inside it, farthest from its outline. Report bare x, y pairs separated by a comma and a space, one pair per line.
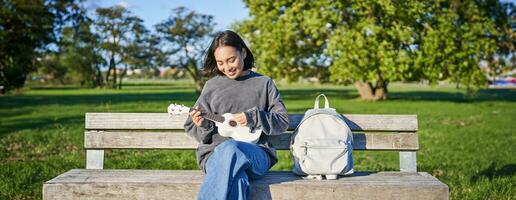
482, 95
12, 106
287, 94
492, 172
42, 100
7, 115
131, 87
508, 95
297, 94
56, 88
188, 85
9, 126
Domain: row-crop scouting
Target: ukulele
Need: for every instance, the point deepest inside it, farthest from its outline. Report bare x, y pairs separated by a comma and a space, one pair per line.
225, 125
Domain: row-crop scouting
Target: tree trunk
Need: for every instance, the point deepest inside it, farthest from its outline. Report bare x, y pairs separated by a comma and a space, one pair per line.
99, 79
5, 86
122, 76
108, 73
115, 73
111, 66
365, 90
380, 91
197, 75
369, 92
198, 84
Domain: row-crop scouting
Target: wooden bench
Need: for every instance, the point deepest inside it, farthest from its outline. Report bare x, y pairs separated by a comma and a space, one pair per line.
159, 131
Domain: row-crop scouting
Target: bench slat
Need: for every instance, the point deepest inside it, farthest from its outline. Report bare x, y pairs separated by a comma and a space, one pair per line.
184, 184
178, 139
150, 121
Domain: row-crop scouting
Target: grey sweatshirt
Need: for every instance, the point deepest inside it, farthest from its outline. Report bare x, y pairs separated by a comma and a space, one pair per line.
255, 95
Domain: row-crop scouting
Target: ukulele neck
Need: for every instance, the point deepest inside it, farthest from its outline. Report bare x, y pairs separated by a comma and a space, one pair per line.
210, 116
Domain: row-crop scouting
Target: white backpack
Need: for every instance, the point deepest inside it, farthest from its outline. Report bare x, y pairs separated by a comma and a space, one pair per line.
322, 144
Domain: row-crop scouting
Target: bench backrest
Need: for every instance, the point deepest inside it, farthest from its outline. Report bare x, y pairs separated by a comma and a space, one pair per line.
159, 131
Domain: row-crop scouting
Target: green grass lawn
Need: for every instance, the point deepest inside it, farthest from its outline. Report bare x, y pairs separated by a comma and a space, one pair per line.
468, 142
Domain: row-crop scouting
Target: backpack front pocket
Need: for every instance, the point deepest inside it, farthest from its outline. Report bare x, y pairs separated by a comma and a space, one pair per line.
324, 156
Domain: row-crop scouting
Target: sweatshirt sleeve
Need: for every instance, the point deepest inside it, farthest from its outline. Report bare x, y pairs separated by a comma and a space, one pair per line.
203, 133
273, 120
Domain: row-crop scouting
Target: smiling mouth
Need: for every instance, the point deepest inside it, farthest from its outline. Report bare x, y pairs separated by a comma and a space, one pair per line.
232, 71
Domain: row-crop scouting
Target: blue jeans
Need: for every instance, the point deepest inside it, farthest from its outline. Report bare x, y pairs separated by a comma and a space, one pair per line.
229, 169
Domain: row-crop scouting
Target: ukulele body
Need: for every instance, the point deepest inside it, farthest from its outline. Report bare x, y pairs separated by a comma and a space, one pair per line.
237, 132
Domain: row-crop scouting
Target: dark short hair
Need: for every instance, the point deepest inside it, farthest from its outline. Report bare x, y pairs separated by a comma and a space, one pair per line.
225, 38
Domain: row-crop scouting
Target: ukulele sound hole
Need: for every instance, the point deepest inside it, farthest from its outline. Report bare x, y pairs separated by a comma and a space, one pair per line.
232, 123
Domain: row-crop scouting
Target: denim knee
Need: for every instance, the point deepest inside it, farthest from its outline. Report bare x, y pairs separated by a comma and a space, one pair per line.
227, 154
228, 147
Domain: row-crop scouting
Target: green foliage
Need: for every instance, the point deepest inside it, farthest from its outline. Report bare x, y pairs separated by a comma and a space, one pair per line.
136, 52
187, 34
52, 70
158, 55
27, 29
77, 60
121, 35
466, 141
375, 42
457, 38
80, 55
289, 37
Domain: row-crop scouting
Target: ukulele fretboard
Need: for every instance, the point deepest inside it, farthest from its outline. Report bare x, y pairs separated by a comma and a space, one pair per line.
211, 116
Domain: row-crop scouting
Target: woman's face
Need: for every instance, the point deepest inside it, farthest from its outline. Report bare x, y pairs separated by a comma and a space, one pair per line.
230, 61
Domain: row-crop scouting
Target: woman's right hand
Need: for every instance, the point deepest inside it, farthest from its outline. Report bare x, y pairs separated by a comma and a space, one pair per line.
196, 116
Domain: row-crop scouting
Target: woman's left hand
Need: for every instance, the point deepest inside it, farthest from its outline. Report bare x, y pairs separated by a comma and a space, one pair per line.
240, 119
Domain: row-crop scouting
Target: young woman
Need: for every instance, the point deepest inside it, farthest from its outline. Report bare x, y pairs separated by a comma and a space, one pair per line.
254, 101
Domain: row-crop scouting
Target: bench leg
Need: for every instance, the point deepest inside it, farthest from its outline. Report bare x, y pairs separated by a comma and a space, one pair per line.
94, 159
408, 161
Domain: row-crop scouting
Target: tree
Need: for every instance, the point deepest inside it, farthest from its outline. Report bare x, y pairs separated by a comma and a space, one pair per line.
79, 54
76, 58
458, 36
375, 46
115, 26
137, 52
503, 15
289, 37
27, 31
371, 43
158, 57
187, 34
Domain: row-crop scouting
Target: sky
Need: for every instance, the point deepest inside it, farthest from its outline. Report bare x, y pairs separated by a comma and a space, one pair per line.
225, 12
